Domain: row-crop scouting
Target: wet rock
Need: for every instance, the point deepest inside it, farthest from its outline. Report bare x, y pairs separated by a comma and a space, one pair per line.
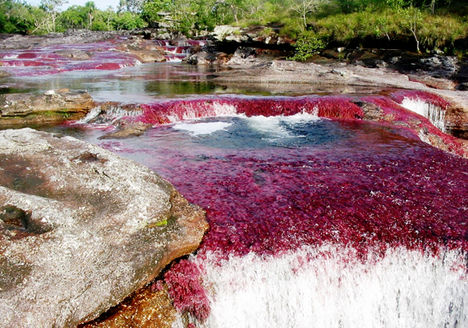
201, 58
126, 130
81, 229
456, 122
149, 56
206, 57
440, 66
433, 82
74, 54
463, 86
150, 307
50, 107
371, 111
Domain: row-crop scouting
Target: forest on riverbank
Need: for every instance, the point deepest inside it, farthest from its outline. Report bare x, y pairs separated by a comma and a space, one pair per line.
426, 25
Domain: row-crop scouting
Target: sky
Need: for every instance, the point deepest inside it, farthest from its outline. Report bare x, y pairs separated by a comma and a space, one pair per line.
101, 4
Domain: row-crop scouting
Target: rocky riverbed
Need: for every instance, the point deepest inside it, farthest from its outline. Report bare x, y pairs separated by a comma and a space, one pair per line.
81, 229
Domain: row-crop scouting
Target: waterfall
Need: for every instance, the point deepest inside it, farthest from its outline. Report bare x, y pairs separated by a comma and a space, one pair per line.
327, 286
434, 113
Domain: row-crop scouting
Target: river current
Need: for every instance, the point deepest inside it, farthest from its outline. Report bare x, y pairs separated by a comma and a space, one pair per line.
317, 218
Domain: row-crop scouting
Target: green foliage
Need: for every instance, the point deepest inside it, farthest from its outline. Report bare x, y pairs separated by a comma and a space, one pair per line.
307, 45
128, 21
16, 17
429, 24
151, 10
431, 31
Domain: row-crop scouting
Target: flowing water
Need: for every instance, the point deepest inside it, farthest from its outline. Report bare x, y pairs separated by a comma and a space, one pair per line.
313, 222
317, 219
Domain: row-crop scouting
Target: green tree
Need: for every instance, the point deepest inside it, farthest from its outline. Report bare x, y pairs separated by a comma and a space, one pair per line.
127, 21
73, 17
51, 7
411, 19
306, 7
151, 10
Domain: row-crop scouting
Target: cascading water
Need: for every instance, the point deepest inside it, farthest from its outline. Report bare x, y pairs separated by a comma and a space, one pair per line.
314, 222
428, 105
317, 219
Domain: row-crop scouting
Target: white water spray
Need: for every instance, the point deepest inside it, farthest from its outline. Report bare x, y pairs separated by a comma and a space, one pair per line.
328, 287
202, 128
275, 126
432, 112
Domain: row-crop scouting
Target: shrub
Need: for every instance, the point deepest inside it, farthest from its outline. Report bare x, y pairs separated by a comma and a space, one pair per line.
307, 45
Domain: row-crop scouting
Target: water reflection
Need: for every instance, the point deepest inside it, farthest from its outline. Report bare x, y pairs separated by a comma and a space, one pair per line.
139, 84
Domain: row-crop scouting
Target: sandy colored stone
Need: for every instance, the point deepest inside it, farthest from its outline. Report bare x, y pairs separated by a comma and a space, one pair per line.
149, 308
50, 107
131, 129
81, 229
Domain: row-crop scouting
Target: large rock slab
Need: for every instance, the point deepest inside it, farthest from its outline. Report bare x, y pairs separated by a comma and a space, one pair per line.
81, 229
51, 107
145, 50
294, 77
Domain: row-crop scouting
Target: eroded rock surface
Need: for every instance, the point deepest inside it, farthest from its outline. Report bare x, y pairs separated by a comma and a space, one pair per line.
146, 51
50, 107
81, 229
17, 41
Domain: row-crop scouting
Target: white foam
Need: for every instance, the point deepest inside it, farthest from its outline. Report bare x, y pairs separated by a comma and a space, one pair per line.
193, 111
274, 126
332, 289
202, 128
173, 59
99, 118
434, 113
92, 114
270, 125
11, 56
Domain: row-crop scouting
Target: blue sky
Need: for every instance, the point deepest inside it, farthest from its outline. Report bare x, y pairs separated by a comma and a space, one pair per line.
101, 4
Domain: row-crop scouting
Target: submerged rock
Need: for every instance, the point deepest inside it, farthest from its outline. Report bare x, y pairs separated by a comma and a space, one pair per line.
74, 54
50, 107
81, 229
128, 130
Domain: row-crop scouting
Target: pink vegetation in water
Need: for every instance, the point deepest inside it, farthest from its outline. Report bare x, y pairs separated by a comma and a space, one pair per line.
430, 98
186, 290
376, 189
102, 56
50, 59
414, 121
327, 106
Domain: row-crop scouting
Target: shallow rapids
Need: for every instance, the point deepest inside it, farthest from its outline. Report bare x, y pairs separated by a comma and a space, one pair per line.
313, 222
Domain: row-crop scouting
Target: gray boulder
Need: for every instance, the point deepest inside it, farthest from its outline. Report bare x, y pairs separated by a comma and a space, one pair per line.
81, 229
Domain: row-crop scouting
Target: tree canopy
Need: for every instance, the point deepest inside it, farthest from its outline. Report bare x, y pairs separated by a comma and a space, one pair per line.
430, 23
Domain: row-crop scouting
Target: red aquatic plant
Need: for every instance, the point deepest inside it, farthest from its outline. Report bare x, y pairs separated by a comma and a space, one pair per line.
329, 106
185, 289
428, 97
415, 122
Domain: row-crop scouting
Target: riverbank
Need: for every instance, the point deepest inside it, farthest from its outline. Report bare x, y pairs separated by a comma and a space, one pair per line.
403, 107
